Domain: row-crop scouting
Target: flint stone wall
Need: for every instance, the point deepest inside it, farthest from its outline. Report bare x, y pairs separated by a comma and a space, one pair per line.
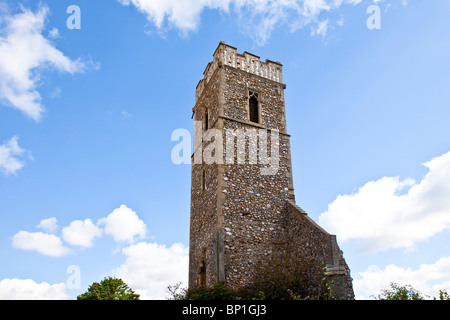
243, 215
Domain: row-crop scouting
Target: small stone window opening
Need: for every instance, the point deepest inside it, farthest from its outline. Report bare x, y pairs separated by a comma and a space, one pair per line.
205, 122
202, 275
203, 180
253, 107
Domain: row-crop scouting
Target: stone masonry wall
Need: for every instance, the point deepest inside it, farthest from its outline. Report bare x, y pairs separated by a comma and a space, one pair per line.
271, 94
244, 215
252, 205
310, 240
203, 225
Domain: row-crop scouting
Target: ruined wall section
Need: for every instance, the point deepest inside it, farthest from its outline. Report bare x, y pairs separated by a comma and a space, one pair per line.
314, 243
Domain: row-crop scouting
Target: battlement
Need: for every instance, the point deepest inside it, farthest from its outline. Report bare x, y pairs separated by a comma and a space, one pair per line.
226, 55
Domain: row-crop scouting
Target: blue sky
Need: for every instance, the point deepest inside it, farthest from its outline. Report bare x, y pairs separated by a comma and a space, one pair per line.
86, 117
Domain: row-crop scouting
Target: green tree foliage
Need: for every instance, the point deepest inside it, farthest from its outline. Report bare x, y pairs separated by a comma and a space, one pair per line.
407, 292
109, 289
220, 291
398, 292
443, 295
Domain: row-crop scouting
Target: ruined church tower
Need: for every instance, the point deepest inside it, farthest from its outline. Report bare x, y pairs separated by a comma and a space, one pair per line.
242, 193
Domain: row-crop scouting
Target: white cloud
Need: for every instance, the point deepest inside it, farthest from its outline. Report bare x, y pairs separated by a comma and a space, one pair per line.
126, 114
150, 268
81, 233
54, 33
257, 18
427, 279
24, 54
10, 154
314, 7
124, 225
48, 225
386, 214
184, 15
18, 289
46, 244
320, 29
55, 93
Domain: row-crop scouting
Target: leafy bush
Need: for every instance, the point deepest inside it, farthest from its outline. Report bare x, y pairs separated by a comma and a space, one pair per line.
443, 295
277, 283
398, 292
219, 291
407, 292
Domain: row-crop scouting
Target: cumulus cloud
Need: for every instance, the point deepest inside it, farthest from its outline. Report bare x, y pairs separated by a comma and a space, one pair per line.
48, 225
393, 213
46, 244
124, 225
24, 54
427, 278
81, 233
18, 289
150, 267
257, 18
11, 155
184, 15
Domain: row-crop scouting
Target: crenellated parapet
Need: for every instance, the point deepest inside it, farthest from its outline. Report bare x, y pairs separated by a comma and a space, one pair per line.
226, 55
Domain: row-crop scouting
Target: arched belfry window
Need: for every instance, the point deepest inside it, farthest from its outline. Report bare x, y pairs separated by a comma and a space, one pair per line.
253, 107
